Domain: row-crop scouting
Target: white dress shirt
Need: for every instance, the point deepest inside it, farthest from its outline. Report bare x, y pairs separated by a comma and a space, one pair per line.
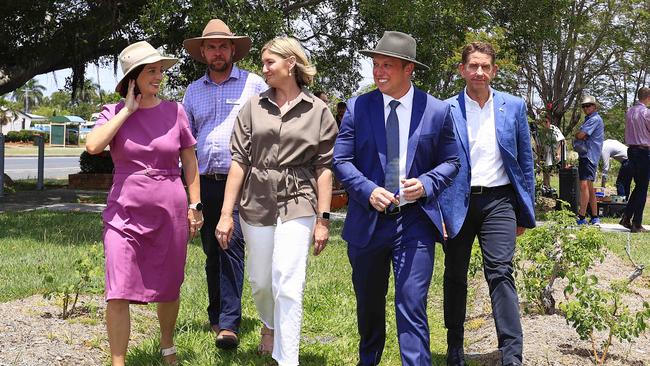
484, 155
403, 111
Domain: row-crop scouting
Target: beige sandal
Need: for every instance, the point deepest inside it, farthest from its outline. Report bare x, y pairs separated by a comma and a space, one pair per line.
267, 338
169, 352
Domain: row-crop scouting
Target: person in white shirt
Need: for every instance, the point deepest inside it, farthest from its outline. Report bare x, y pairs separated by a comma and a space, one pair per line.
492, 198
613, 149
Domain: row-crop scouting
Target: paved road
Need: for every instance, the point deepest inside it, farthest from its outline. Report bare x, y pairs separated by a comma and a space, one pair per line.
56, 167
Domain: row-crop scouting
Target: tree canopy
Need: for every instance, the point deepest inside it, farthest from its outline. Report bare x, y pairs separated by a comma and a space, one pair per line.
550, 51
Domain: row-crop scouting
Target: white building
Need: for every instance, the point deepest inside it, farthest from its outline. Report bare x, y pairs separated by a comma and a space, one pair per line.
23, 121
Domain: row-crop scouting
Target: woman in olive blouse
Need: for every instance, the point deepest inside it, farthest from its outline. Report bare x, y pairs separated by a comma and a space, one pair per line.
282, 147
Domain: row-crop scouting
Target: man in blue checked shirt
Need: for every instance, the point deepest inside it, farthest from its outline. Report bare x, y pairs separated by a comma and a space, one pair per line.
212, 103
591, 135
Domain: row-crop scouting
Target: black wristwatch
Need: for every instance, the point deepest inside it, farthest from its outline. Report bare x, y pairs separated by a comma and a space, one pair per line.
196, 206
324, 216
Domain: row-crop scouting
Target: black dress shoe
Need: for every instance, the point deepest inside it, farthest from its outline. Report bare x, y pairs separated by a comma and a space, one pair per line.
638, 229
455, 356
625, 222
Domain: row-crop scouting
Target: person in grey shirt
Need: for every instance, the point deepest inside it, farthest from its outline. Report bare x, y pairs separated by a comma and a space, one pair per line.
613, 149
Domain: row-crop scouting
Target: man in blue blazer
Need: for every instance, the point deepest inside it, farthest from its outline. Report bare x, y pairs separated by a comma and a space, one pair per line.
395, 153
492, 197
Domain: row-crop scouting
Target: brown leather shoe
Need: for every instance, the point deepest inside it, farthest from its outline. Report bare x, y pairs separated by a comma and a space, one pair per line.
227, 339
638, 229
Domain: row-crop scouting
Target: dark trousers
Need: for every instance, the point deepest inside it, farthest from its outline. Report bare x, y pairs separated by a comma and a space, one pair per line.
491, 217
624, 179
405, 240
224, 269
640, 160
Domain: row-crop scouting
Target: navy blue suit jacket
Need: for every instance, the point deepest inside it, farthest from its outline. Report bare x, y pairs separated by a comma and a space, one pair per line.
360, 158
513, 137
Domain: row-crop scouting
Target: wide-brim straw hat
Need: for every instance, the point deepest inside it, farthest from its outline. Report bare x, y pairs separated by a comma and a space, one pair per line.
141, 53
588, 99
217, 29
399, 45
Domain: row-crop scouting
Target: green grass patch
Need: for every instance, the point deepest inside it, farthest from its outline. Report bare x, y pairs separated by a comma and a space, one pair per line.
32, 243
22, 185
42, 239
31, 150
616, 242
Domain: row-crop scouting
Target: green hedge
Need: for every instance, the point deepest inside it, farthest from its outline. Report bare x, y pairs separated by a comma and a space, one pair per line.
25, 136
99, 163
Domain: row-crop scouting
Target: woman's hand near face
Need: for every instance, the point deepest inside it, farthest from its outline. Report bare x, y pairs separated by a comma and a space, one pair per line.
132, 102
321, 235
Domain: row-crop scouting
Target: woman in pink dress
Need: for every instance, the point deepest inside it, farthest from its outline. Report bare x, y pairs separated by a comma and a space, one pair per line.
147, 221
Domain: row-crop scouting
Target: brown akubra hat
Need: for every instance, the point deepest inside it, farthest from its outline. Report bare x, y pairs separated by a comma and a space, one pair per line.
217, 29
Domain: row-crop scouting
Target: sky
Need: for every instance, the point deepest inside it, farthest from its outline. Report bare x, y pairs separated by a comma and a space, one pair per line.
56, 80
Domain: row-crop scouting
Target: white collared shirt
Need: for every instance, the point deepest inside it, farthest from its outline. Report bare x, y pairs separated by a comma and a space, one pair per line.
403, 111
484, 154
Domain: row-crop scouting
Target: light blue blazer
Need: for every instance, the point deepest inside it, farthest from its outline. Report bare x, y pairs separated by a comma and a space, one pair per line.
513, 137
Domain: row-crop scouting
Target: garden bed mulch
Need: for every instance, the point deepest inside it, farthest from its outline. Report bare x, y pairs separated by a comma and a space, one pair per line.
548, 339
32, 332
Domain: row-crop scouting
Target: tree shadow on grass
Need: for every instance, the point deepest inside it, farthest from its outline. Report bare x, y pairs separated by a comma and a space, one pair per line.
50, 227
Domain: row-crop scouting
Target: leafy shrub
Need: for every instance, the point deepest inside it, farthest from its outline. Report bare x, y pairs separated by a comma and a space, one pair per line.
25, 136
87, 269
596, 309
554, 250
99, 163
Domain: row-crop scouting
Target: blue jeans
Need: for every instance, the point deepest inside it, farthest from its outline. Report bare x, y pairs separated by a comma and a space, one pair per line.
224, 269
640, 159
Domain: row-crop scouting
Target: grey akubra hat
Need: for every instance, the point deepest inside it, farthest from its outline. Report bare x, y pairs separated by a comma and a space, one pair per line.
396, 44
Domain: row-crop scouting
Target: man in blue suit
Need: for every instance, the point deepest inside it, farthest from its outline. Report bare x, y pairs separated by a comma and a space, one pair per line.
492, 197
395, 153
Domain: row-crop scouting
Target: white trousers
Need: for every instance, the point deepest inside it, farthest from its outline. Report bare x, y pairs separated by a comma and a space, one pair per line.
276, 261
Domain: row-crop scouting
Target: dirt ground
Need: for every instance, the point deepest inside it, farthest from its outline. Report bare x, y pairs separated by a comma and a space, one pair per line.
31, 333
548, 339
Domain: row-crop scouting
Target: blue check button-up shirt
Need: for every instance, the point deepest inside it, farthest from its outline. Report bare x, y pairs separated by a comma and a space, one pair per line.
211, 110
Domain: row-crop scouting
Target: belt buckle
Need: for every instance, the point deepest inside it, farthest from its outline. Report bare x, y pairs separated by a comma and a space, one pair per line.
480, 191
394, 211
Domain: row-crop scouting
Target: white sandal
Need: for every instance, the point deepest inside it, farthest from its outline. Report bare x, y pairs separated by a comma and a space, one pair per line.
168, 352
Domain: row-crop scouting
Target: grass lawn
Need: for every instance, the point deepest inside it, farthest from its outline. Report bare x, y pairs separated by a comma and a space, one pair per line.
12, 149
52, 241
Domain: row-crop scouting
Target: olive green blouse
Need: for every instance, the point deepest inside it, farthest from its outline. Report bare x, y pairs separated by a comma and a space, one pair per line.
282, 153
